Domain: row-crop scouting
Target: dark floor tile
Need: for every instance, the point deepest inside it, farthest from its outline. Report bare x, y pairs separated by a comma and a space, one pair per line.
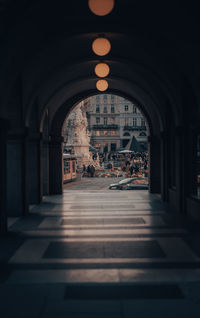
82, 221
106, 265
137, 249
74, 250
29, 223
150, 291
8, 246
4, 273
193, 242
114, 220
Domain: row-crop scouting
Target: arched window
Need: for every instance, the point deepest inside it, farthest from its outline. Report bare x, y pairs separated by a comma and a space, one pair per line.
142, 134
126, 134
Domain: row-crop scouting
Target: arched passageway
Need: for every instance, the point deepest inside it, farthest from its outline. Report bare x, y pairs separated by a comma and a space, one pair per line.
46, 78
63, 248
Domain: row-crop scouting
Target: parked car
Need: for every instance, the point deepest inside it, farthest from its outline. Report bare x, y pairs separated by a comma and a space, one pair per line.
117, 186
136, 183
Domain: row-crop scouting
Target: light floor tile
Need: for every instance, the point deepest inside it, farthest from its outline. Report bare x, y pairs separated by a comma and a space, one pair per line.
63, 276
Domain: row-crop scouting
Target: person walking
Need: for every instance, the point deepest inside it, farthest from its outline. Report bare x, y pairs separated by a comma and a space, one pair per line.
92, 170
83, 170
89, 171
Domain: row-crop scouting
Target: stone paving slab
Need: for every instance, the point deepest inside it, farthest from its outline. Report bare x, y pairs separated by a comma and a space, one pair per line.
94, 235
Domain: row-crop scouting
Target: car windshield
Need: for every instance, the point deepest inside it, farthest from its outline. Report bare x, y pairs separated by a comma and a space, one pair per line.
126, 180
140, 181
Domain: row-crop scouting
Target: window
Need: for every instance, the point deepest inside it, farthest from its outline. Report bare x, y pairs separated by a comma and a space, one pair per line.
73, 166
142, 122
134, 122
105, 133
142, 134
126, 108
98, 146
112, 97
134, 109
126, 122
66, 166
97, 132
105, 120
97, 97
112, 108
104, 96
97, 108
198, 166
113, 147
105, 110
112, 120
112, 132
97, 120
105, 148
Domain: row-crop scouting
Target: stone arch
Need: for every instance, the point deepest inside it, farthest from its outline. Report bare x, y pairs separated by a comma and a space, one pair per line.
57, 139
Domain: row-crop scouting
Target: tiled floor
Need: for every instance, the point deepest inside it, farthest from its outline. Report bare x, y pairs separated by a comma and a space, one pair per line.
95, 252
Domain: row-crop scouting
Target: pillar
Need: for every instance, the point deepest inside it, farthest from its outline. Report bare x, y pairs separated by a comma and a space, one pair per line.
45, 166
35, 168
3, 179
165, 169
154, 164
180, 173
186, 155
17, 192
56, 165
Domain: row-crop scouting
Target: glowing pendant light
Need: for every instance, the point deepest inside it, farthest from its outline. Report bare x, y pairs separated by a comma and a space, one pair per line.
101, 46
102, 69
102, 85
101, 7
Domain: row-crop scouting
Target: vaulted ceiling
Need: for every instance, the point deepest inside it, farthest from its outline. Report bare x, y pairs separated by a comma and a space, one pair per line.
47, 44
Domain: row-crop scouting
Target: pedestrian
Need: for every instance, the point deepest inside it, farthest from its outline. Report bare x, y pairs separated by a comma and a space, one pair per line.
83, 171
131, 170
92, 170
89, 171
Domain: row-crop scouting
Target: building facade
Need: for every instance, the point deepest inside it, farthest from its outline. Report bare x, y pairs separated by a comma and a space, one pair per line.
113, 121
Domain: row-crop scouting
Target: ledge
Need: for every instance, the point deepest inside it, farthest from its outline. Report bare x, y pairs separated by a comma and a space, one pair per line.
135, 128
99, 127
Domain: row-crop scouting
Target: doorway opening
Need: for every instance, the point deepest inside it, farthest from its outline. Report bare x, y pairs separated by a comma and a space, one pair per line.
106, 135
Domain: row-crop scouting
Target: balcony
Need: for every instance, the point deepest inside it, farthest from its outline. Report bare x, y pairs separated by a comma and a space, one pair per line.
138, 128
106, 127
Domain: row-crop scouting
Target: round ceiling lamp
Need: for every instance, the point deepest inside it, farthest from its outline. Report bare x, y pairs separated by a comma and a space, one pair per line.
102, 69
101, 7
102, 85
101, 46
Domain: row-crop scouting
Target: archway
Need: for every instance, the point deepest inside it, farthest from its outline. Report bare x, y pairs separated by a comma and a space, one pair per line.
56, 132
51, 83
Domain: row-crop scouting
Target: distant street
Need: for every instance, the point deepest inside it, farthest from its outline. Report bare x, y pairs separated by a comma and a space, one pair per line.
91, 183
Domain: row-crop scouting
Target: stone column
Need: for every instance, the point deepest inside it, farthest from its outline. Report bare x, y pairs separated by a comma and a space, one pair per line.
185, 172
35, 168
56, 165
180, 173
154, 164
3, 181
45, 166
17, 192
165, 172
